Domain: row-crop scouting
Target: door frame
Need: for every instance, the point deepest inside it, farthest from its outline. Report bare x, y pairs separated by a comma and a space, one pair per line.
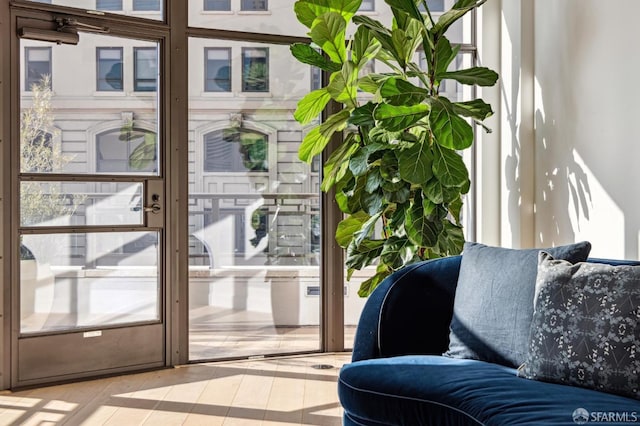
171, 299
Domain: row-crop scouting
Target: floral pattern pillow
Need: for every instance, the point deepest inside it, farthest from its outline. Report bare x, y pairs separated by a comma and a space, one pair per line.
586, 326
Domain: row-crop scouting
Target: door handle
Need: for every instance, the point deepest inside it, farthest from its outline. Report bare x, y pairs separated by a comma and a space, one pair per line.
155, 208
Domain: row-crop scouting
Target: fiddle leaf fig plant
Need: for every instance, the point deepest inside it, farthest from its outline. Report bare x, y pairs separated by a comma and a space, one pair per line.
398, 174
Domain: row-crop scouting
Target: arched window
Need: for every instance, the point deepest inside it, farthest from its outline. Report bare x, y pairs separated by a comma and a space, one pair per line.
126, 150
235, 150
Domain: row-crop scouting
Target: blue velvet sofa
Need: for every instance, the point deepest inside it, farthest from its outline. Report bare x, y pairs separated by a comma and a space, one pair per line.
398, 377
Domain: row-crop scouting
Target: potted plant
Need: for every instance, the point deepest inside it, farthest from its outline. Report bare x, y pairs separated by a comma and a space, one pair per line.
398, 166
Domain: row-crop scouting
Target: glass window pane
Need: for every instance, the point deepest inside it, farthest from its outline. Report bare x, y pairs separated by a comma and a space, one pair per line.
88, 203
217, 4
110, 130
108, 4
367, 5
218, 69
255, 69
37, 67
145, 69
253, 5
253, 210
90, 280
109, 69
146, 5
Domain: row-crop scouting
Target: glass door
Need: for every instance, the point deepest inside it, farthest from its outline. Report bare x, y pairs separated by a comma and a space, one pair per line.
90, 294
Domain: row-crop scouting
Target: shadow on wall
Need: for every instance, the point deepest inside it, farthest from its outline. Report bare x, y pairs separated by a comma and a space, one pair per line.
562, 195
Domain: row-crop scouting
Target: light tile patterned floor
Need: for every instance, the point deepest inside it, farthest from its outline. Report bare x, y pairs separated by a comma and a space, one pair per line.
272, 391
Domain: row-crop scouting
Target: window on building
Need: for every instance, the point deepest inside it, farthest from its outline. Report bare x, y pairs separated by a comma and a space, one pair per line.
217, 4
145, 69
146, 4
37, 65
235, 150
217, 69
108, 4
316, 78
253, 5
126, 150
255, 69
434, 6
367, 5
109, 69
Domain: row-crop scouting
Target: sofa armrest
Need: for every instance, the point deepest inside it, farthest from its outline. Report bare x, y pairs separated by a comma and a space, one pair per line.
409, 312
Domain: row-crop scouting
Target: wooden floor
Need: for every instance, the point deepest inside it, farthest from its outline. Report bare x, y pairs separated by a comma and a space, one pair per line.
274, 391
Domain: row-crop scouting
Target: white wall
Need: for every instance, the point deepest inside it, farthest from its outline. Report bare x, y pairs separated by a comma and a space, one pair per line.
587, 147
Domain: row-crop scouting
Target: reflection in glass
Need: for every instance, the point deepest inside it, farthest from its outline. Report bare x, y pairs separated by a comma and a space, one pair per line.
148, 9
86, 203
89, 280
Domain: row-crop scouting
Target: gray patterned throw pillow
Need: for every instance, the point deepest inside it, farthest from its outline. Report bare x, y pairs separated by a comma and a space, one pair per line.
586, 326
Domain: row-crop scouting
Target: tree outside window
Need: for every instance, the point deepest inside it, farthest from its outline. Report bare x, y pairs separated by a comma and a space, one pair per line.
235, 150
255, 69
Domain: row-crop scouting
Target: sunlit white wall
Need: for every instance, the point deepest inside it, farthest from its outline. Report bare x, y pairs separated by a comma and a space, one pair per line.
587, 63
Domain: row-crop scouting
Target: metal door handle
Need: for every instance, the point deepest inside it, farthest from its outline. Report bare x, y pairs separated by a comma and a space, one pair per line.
155, 208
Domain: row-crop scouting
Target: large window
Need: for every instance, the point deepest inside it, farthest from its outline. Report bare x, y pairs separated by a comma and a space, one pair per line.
253, 5
109, 69
217, 69
37, 66
108, 4
217, 5
235, 150
255, 69
145, 69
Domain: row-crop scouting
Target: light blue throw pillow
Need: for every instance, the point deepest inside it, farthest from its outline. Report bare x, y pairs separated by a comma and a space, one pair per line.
493, 305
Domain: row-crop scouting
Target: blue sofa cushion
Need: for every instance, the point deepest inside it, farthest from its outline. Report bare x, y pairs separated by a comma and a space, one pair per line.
427, 389
586, 326
493, 304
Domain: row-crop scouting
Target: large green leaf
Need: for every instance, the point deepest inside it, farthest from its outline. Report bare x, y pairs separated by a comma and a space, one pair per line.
415, 163
397, 91
379, 31
400, 195
367, 286
363, 115
397, 252
444, 55
374, 180
364, 46
328, 32
337, 165
315, 141
349, 226
308, 55
398, 117
449, 129
420, 229
478, 76
308, 10
451, 240
476, 109
342, 86
359, 256
449, 167
311, 105
367, 228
